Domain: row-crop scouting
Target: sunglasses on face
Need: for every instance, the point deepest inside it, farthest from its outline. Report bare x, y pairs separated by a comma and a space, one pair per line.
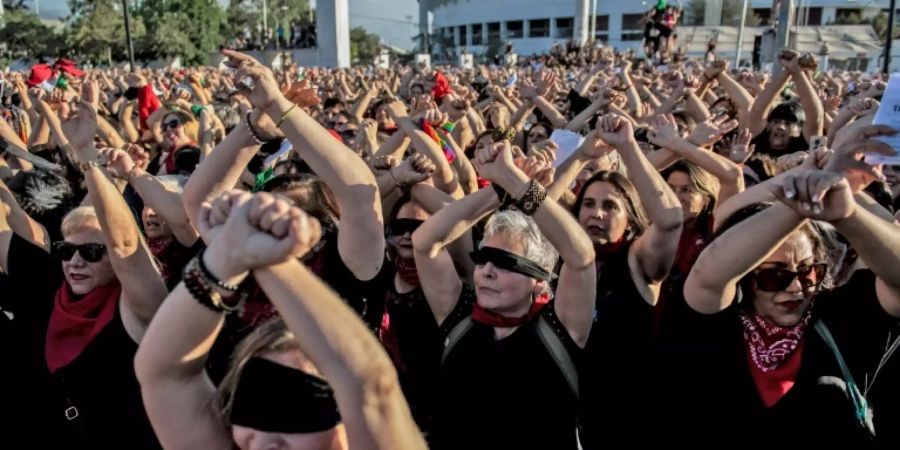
775, 280
89, 252
399, 227
171, 125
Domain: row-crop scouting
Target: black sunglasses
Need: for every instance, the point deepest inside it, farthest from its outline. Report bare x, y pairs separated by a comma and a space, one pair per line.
775, 280
399, 227
89, 252
172, 124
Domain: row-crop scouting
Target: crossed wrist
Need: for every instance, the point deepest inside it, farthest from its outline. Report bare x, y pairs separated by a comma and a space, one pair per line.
221, 266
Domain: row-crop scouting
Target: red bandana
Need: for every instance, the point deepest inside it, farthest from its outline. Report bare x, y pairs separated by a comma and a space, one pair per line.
774, 354
75, 322
406, 269
493, 319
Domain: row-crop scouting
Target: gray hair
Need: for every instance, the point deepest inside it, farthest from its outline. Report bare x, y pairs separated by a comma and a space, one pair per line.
519, 227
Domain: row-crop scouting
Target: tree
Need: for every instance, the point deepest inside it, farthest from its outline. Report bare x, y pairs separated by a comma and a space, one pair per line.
363, 45
695, 13
245, 14
189, 29
98, 31
25, 35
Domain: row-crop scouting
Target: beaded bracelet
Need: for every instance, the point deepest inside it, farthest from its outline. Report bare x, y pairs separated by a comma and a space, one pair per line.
253, 134
506, 200
533, 198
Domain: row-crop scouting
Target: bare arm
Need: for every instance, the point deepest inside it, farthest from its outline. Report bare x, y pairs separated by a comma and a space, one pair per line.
756, 119
811, 104
550, 112
444, 177
20, 222
712, 282
125, 112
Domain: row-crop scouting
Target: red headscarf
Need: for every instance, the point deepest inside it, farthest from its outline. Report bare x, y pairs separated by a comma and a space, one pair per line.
441, 87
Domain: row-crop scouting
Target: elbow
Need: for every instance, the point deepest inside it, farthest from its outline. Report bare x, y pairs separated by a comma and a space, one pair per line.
422, 244
583, 257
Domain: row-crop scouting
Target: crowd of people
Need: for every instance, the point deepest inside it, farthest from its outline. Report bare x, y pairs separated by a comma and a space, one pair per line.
231, 257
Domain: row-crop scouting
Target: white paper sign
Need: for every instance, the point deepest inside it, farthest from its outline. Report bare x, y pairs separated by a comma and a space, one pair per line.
568, 142
888, 114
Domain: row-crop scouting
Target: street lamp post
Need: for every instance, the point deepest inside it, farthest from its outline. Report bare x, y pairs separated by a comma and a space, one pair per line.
740, 39
890, 37
127, 35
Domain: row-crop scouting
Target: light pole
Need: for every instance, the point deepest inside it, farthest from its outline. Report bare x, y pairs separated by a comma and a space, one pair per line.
890, 37
127, 34
740, 39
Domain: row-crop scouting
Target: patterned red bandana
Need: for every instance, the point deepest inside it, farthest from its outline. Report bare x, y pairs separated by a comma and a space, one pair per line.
770, 345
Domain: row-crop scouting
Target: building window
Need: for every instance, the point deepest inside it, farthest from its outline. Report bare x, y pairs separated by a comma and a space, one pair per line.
462, 35
847, 14
539, 28
514, 29
565, 27
813, 16
493, 32
601, 31
476, 34
632, 30
764, 14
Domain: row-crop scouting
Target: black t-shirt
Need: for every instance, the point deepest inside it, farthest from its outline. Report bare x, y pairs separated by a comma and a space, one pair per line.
26, 395
504, 394
706, 394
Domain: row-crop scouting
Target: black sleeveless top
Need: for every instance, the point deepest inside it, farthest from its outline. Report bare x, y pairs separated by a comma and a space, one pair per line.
411, 336
504, 394
613, 377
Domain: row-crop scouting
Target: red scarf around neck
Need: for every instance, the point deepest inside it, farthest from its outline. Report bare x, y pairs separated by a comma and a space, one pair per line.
609, 248
481, 315
75, 322
406, 270
774, 354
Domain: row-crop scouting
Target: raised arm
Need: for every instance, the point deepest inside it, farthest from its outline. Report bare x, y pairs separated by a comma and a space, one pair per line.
756, 118
731, 177
444, 177
20, 222
654, 252
352, 183
440, 282
162, 199
143, 289
576, 291
809, 97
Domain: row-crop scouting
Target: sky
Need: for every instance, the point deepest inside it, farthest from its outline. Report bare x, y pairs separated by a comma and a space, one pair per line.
395, 21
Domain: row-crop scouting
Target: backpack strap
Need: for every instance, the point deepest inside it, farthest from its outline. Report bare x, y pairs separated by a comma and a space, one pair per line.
456, 333
548, 337
558, 351
860, 405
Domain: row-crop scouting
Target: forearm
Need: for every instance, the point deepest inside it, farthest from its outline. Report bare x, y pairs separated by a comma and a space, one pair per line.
220, 171
741, 98
168, 204
20, 222
764, 102
116, 221
109, 134
358, 110
465, 172
720, 167
667, 105
454, 220
443, 177
876, 240
550, 112
578, 122
811, 104
393, 146
521, 115
566, 174
695, 107
661, 204
131, 133
431, 198
745, 246
178, 340
585, 84
342, 170
348, 355
40, 133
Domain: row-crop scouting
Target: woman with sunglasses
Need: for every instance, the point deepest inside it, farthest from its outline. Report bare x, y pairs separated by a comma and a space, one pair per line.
760, 343
500, 385
176, 134
92, 324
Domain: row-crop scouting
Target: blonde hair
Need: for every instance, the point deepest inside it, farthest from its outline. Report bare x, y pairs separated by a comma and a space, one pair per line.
191, 126
80, 218
272, 336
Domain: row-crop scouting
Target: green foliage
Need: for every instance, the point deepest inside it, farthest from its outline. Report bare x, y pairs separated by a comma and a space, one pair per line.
244, 14
98, 31
25, 35
695, 12
186, 28
878, 22
363, 45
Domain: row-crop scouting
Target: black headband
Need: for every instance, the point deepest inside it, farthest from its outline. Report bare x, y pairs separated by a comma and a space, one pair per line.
510, 261
278, 399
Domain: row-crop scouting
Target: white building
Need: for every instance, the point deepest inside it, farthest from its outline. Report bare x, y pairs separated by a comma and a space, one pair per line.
532, 26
